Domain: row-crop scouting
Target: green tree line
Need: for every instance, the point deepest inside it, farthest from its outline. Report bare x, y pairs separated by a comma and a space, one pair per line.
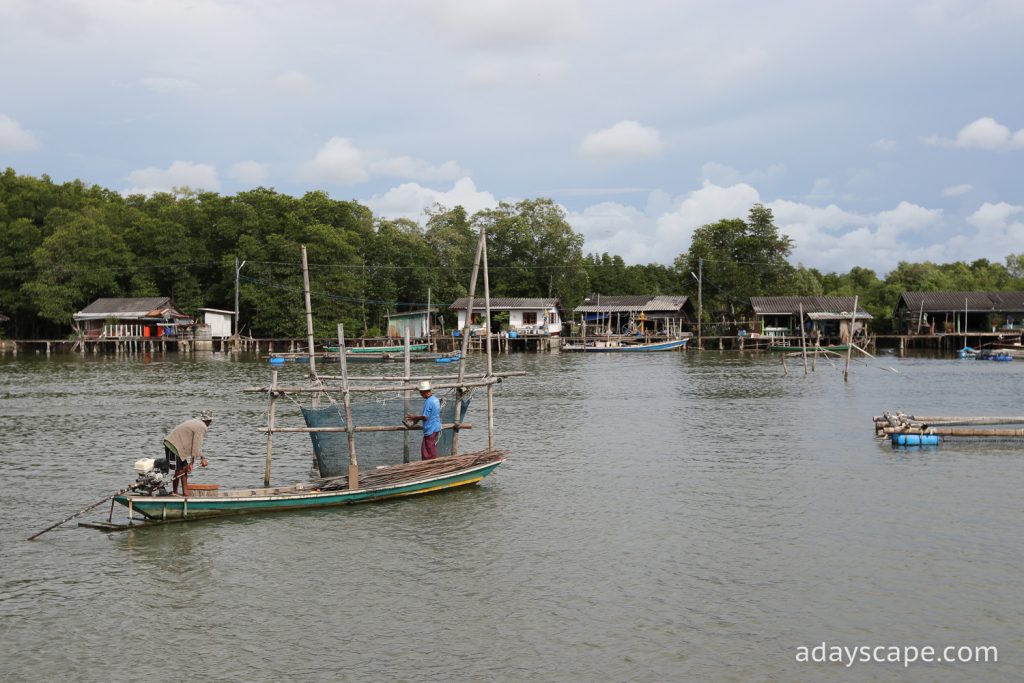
63, 245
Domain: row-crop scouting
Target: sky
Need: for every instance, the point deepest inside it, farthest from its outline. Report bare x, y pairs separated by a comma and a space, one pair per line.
876, 131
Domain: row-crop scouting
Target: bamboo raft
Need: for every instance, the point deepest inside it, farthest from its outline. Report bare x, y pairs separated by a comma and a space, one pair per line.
889, 425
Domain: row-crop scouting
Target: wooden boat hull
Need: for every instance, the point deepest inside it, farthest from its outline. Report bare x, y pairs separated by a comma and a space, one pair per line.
298, 497
353, 350
628, 348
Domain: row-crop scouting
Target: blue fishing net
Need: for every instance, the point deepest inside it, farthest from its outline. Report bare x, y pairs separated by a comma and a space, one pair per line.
375, 448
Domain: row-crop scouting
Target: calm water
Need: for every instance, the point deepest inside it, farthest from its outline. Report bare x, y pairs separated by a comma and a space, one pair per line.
663, 517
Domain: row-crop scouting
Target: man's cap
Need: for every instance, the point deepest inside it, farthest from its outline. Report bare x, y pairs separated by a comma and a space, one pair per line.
207, 416
424, 385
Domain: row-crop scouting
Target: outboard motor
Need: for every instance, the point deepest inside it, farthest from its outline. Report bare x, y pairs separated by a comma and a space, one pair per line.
148, 477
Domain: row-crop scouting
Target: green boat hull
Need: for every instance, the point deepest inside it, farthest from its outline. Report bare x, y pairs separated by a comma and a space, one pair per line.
241, 502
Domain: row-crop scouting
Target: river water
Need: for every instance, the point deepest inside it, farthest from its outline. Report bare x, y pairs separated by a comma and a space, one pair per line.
678, 516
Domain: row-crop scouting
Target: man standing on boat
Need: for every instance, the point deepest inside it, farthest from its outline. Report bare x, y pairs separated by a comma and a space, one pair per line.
186, 441
431, 419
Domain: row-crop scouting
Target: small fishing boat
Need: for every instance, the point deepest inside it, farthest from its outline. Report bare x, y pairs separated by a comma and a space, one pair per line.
355, 350
402, 479
624, 346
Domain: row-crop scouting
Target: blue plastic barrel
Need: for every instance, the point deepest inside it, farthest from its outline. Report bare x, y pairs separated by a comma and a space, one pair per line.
276, 360
915, 439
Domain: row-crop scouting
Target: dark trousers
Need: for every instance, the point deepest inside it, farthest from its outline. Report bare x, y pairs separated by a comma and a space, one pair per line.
181, 470
428, 449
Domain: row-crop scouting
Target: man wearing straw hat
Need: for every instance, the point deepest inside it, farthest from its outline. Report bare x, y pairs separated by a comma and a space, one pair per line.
186, 441
431, 419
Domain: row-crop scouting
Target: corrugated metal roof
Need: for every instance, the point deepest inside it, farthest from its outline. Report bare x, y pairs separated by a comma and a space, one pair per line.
790, 305
941, 302
625, 304
506, 303
138, 307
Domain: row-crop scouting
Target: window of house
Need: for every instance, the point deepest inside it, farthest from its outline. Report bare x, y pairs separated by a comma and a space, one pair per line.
529, 317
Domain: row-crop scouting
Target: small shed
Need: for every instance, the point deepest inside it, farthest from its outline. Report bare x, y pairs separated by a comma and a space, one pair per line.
219, 321
959, 312
525, 316
137, 317
640, 313
825, 317
417, 323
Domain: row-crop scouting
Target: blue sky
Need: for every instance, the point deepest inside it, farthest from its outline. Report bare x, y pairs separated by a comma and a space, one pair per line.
876, 131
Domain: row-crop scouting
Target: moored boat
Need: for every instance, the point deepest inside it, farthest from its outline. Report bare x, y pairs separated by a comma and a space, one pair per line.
619, 346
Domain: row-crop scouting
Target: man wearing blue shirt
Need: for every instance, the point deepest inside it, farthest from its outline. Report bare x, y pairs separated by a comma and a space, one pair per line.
431, 419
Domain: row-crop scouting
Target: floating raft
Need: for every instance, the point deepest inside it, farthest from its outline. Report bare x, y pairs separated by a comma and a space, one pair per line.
926, 430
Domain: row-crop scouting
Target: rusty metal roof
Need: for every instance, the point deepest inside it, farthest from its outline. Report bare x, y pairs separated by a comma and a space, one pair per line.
941, 302
625, 304
841, 306
138, 307
507, 303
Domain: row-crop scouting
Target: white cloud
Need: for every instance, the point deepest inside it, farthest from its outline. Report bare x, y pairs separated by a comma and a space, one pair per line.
614, 228
14, 138
625, 141
293, 83
341, 162
164, 85
251, 173
983, 133
410, 200
415, 169
338, 162
884, 145
179, 174
957, 190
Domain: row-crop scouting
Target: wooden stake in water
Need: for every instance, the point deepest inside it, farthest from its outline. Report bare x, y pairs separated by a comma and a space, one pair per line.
849, 348
353, 463
270, 427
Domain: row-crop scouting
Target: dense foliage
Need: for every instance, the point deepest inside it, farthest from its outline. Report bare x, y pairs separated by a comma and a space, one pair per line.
64, 245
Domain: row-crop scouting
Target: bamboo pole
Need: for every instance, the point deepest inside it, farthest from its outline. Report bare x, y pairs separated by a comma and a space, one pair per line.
309, 315
392, 388
465, 339
353, 463
849, 348
270, 427
405, 394
490, 367
367, 428
417, 378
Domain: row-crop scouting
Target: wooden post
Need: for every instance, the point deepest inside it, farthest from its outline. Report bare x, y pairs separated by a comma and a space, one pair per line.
270, 428
405, 394
309, 315
490, 368
803, 339
849, 347
353, 463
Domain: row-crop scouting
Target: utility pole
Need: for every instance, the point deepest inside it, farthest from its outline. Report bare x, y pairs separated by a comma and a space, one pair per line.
238, 270
700, 301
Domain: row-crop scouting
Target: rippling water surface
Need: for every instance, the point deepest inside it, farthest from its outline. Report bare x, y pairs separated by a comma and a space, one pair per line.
661, 517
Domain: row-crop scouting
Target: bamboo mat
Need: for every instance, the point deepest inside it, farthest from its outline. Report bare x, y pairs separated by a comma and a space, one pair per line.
394, 475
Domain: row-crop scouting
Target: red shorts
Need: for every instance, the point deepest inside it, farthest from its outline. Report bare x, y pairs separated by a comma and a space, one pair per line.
428, 449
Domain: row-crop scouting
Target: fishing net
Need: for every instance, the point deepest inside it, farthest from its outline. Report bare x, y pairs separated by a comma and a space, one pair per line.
375, 448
